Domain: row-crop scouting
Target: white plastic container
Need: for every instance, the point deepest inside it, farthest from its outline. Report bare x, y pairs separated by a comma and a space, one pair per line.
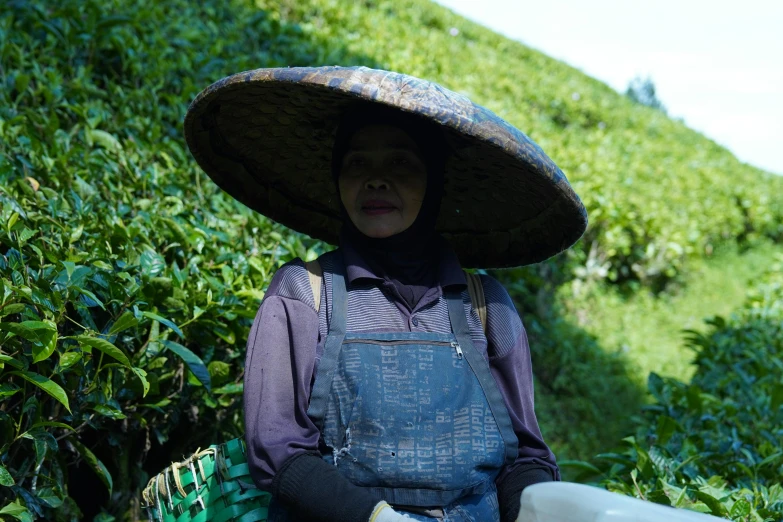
571, 502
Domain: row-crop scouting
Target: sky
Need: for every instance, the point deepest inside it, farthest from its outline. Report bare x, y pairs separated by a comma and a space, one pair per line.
716, 64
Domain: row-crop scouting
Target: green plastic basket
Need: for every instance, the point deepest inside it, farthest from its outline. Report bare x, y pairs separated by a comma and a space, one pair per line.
212, 485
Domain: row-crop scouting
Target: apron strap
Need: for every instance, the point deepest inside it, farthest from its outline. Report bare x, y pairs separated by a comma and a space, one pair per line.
334, 341
315, 275
476, 291
480, 367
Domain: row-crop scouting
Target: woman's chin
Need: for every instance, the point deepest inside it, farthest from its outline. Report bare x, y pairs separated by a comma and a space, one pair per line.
379, 232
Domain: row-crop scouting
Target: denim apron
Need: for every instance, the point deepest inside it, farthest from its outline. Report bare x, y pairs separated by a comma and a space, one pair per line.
416, 418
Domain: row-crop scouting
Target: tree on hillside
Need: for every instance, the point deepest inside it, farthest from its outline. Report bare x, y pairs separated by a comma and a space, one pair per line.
642, 90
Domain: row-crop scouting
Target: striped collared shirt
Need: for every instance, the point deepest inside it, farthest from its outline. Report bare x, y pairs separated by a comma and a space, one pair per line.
287, 338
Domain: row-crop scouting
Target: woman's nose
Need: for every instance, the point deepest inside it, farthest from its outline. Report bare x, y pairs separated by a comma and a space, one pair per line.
376, 184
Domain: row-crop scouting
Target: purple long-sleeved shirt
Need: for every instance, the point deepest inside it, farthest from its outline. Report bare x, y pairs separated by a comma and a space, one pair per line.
287, 338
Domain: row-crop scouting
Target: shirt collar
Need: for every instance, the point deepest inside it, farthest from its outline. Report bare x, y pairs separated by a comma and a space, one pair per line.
449, 270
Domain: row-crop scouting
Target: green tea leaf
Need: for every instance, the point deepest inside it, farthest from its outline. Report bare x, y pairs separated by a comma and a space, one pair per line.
38, 252
12, 220
51, 424
224, 333
18, 280
95, 464
7, 390
229, 389
716, 507
47, 385
256, 265
152, 263
142, 375
9, 309
125, 321
194, 362
643, 461
43, 441
25, 235
70, 266
74, 276
655, 386
106, 347
665, 429
219, 372
43, 351
5, 478
37, 332
7, 359
772, 458
741, 508
17, 511
108, 411
164, 321
659, 497
92, 297
76, 234
255, 293
158, 406
103, 138
68, 359
50, 497
102, 265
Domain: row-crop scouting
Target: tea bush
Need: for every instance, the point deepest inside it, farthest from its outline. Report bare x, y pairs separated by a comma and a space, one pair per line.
128, 281
715, 444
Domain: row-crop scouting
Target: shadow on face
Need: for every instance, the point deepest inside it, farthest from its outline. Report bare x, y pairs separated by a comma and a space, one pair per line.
382, 180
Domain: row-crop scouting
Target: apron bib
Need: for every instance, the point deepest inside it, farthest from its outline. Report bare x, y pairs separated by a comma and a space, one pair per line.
416, 418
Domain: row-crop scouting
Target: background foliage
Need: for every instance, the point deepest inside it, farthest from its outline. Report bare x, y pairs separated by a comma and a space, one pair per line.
128, 281
714, 444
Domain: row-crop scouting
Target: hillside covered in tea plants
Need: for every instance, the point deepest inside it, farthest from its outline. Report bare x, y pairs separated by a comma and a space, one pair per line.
128, 281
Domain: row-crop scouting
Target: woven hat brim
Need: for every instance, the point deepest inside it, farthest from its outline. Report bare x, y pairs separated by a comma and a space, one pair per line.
265, 137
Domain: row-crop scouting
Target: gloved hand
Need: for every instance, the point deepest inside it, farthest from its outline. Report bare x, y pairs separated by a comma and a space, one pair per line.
383, 512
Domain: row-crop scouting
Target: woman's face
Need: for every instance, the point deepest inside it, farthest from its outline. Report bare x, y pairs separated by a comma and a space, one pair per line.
382, 180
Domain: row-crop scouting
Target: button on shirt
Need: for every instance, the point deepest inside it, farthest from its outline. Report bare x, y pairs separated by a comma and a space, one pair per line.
287, 337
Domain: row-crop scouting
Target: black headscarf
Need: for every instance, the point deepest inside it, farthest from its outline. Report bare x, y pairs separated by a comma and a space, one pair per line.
408, 259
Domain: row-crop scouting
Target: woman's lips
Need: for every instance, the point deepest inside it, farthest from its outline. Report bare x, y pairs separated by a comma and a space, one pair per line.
377, 207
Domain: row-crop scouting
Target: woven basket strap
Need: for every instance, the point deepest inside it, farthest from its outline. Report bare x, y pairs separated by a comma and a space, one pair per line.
314, 273
476, 291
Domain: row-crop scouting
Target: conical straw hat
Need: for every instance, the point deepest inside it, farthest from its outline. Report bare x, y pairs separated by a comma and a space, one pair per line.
266, 136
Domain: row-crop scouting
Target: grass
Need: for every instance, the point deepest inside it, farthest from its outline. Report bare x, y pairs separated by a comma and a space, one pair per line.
605, 344
648, 328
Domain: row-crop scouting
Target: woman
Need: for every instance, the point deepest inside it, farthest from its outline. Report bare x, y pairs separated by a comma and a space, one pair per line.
387, 400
